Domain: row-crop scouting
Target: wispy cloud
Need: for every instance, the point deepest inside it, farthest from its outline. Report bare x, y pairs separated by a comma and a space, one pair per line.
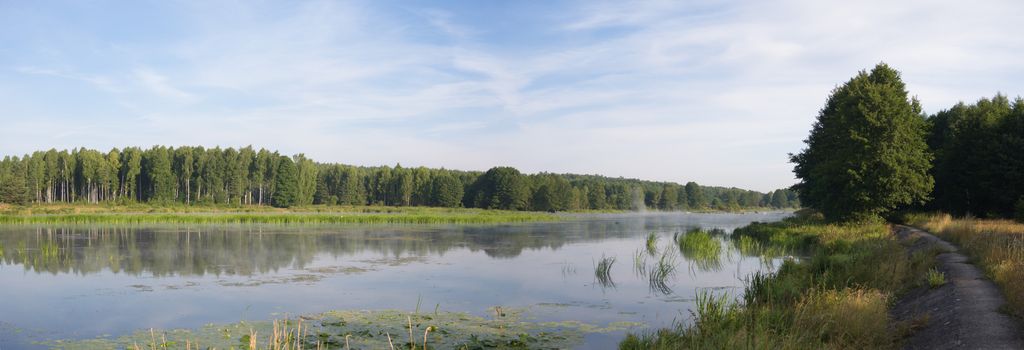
158, 84
712, 91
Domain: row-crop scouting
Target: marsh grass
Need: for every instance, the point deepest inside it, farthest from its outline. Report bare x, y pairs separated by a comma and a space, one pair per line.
997, 246
603, 271
661, 271
834, 298
652, 244
701, 248
314, 215
639, 263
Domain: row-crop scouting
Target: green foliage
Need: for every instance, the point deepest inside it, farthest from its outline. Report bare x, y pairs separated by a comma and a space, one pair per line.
500, 188
979, 166
247, 177
286, 187
446, 191
866, 154
13, 188
695, 196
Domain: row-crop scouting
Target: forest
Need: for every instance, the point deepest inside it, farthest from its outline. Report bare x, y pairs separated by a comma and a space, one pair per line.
979, 158
246, 176
872, 152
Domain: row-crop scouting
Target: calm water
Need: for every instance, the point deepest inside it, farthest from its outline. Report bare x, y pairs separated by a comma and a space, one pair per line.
88, 281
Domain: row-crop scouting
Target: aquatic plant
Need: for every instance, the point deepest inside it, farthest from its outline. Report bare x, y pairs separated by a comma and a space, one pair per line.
661, 271
640, 262
652, 244
603, 270
701, 249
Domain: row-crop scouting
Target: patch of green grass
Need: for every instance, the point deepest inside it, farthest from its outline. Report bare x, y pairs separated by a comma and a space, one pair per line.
935, 278
701, 248
312, 215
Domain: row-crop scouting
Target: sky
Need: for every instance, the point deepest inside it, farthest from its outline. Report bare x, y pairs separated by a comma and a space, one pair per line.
717, 92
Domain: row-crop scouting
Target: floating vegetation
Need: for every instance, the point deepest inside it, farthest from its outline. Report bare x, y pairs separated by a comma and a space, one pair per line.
702, 249
603, 270
385, 329
652, 244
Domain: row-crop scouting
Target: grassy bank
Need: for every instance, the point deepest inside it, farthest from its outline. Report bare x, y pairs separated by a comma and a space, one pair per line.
181, 214
835, 296
997, 246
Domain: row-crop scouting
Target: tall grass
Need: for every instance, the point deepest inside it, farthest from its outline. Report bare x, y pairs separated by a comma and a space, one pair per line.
836, 297
997, 245
701, 248
661, 271
639, 263
603, 271
652, 244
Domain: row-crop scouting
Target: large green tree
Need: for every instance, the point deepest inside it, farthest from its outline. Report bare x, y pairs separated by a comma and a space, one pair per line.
866, 153
500, 188
286, 187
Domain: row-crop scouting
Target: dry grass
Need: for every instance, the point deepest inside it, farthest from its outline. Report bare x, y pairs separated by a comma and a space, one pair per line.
849, 318
997, 245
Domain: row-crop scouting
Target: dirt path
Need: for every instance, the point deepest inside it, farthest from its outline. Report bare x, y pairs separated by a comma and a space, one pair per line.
964, 313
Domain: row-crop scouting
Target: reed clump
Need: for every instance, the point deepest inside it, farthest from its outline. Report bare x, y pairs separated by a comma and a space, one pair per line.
603, 271
701, 248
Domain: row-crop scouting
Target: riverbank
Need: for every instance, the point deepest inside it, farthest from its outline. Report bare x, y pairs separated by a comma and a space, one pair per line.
835, 296
182, 214
136, 213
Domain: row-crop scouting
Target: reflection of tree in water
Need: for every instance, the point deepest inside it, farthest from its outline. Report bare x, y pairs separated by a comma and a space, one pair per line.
248, 250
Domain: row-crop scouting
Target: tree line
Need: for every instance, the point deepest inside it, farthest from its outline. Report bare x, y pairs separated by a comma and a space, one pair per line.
246, 176
872, 151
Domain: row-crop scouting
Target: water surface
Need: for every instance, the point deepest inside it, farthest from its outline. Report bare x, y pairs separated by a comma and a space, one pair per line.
80, 282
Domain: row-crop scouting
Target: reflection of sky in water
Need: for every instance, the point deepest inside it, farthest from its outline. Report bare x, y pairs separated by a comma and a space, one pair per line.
88, 281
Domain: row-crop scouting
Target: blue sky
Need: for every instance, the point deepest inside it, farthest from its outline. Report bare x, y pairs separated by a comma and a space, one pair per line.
716, 92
